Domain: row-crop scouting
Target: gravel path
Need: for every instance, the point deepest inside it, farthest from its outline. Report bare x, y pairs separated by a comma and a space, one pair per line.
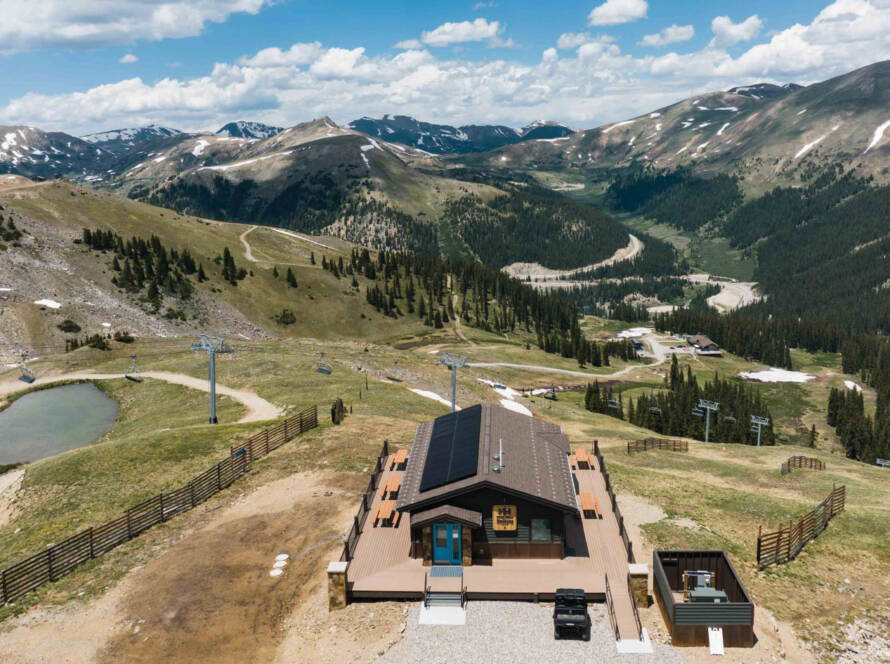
258, 409
510, 633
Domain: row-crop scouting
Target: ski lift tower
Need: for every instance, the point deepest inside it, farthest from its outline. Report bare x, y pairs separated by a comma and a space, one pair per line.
455, 362
704, 407
757, 423
213, 346
27, 375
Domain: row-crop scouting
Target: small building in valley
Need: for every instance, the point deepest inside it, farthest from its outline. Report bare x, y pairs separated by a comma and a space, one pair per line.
703, 345
484, 483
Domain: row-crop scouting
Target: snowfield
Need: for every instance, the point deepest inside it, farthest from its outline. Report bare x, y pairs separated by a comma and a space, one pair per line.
50, 304
850, 385
878, 135
774, 375
433, 396
634, 333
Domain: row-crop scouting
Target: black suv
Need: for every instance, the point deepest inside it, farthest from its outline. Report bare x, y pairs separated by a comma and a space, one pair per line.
570, 614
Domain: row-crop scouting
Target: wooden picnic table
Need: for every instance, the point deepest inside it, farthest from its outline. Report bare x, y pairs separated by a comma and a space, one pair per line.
583, 456
385, 511
589, 504
399, 458
390, 485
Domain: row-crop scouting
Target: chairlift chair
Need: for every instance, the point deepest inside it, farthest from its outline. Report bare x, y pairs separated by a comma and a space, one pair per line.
614, 403
655, 409
129, 374
698, 412
497, 382
27, 375
729, 418
324, 367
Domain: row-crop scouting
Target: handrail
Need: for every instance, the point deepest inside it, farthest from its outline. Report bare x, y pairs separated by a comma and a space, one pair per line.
611, 605
630, 593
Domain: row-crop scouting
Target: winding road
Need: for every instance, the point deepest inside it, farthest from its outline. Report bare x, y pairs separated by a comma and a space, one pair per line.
659, 352
258, 409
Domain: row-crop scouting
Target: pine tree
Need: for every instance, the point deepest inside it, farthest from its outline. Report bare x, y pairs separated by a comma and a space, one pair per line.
275, 271
291, 279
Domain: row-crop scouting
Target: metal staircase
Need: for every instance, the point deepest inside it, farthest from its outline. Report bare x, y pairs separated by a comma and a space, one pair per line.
441, 597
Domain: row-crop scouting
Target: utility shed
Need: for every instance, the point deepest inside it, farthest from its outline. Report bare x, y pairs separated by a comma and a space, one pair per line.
688, 621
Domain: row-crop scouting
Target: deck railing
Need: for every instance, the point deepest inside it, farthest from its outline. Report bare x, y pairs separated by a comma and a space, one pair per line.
358, 521
628, 545
611, 606
639, 624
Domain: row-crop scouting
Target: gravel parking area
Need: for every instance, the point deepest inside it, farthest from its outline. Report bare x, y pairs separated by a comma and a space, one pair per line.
513, 632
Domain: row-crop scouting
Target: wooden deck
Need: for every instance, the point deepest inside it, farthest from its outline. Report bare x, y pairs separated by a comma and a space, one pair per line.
382, 566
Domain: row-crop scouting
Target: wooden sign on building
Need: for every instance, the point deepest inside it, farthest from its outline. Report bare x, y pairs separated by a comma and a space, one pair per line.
504, 517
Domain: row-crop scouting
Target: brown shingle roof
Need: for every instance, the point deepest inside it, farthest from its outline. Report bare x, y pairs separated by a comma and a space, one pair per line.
535, 461
441, 512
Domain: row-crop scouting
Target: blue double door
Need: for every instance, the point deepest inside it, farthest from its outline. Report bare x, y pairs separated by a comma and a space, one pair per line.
447, 544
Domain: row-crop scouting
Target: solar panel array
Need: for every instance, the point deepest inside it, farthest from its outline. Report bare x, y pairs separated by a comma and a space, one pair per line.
453, 452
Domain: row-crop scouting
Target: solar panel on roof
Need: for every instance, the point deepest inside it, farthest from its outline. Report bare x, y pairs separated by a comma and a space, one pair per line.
453, 452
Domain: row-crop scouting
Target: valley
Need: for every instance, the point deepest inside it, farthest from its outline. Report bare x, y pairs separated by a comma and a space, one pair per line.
724, 257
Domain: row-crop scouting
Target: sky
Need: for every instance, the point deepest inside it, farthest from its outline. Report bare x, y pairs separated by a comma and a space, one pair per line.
83, 66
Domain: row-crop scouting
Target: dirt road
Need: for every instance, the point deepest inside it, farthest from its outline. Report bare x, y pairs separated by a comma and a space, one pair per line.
535, 271
258, 409
659, 352
248, 254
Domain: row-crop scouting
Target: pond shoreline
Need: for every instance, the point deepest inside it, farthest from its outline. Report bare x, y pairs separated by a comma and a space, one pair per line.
37, 423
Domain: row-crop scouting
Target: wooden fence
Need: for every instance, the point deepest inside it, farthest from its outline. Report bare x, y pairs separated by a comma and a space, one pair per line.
796, 462
59, 559
657, 444
628, 545
784, 544
358, 521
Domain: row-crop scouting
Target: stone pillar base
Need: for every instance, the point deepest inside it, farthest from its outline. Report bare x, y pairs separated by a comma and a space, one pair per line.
337, 598
639, 584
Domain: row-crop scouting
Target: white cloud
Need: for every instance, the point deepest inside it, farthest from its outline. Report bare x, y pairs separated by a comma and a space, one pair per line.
727, 33
595, 84
128, 58
35, 24
484, 5
466, 31
613, 12
574, 39
670, 35
410, 44
298, 54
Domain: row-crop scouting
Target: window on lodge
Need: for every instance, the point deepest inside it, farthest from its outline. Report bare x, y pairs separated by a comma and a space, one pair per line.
540, 530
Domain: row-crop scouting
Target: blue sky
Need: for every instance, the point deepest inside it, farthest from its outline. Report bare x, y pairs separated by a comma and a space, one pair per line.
88, 65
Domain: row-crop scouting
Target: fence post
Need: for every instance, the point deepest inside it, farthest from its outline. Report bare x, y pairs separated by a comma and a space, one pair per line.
219, 477
286, 433
267, 441
759, 535
301, 422
3, 577
92, 549
161, 496
129, 528
49, 559
192, 493
357, 529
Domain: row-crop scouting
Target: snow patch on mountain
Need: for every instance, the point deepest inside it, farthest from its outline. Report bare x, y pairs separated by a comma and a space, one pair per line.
878, 135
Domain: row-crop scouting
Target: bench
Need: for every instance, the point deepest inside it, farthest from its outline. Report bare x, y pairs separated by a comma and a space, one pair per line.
384, 511
399, 459
390, 485
589, 504
583, 456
